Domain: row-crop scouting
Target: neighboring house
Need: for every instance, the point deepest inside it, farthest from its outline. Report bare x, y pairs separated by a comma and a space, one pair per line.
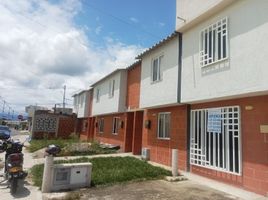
116, 109
83, 110
81, 103
224, 79
165, 119
109, 107
30, 110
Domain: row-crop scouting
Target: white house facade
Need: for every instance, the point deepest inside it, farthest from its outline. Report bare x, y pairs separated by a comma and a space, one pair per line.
159, 74
241, 69
224, 81
109, 93
81, 103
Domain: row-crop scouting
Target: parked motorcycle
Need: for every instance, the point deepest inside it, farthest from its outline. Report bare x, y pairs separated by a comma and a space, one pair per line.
13, 161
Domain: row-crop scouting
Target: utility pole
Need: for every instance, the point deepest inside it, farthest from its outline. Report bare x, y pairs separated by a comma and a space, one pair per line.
64, 91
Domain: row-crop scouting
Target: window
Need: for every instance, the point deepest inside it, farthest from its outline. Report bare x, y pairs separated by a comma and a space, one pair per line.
111, 88
97, 95
163, 125
85, 125
214, 43
101, 125
215, 139
115, 125
82, 99
156, 69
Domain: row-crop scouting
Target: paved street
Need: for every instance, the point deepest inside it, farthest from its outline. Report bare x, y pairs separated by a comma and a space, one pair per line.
27, 192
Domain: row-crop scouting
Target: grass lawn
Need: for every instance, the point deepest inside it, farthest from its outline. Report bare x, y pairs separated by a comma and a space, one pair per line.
69, 147
42, 143
110, 170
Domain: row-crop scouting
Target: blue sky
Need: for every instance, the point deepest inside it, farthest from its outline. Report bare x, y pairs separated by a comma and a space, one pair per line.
49, 44
139, 22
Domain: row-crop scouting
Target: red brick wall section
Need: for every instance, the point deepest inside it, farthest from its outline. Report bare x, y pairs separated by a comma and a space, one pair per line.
107, 136
133, 87
66, 126
254, 145
160, 150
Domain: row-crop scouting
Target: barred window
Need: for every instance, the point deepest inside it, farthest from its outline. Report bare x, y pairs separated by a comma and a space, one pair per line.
214, 43
215, 139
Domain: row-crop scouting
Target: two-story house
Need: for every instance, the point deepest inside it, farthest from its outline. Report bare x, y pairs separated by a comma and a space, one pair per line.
108, 108
224, 81
116, 109
165, 119
83, 110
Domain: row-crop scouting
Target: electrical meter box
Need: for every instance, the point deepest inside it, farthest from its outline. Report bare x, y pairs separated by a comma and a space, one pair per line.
71, 176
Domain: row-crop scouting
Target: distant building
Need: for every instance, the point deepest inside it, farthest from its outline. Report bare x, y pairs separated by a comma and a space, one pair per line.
64, 111
31, 109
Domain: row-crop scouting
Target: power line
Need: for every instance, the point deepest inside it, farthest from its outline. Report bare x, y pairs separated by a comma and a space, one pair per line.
133, 26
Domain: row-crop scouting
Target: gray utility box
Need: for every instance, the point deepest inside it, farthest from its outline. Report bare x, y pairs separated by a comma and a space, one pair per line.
71, 176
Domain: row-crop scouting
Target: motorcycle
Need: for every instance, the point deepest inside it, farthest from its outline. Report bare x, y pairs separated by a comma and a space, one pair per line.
13, 169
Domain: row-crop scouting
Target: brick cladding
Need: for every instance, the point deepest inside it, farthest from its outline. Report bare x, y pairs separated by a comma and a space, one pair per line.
160, 150
254, 145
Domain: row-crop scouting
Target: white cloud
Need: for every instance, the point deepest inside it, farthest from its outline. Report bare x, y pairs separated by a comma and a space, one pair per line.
161, 24
133, 19
98, 30
41, 49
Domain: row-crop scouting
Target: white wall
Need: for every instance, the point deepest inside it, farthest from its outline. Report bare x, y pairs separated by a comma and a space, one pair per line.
246, 70
192, 9
165, 91
81, 104
107, 104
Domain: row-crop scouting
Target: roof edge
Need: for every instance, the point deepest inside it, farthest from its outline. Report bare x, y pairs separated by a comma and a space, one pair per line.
158, 44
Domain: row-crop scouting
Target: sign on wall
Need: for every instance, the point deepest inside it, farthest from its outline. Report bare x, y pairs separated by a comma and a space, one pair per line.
214, 120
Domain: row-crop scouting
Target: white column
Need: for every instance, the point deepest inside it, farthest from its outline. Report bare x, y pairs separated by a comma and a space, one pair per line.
174, 162
48, 174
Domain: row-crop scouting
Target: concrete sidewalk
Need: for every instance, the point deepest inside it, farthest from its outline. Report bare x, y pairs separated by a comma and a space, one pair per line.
229, 189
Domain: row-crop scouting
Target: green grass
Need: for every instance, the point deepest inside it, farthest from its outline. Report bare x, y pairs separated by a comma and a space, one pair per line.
65, 145
42, 143
111, 170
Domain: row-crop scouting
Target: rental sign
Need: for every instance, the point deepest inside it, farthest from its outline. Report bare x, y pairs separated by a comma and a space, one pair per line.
214, 120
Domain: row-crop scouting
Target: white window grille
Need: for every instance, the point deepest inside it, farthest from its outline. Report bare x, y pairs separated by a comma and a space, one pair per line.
163, 125
215, 140
97, 95
115, 125
214, 43
111, 88
101, 125
156, 69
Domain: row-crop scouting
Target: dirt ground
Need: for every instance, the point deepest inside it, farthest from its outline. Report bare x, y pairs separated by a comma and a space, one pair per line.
154, 190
